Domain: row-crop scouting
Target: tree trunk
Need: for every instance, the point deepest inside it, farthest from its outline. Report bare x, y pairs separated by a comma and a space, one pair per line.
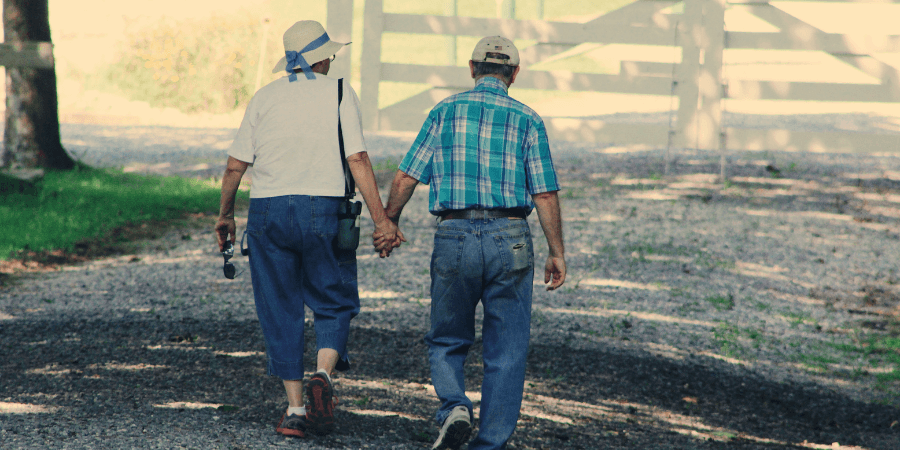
31, 138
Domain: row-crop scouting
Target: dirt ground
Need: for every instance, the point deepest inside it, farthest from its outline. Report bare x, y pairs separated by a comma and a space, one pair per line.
760, 313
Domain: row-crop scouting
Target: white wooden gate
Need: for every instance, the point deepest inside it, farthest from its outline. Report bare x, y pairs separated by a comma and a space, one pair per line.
855, 50
696, 81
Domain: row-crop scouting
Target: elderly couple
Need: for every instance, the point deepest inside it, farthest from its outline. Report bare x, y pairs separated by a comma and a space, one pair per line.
487, 160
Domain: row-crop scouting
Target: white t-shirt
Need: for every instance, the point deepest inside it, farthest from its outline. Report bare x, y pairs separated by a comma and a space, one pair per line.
290, 135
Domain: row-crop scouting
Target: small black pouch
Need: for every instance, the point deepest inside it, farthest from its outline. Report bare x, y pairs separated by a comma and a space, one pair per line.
348, 224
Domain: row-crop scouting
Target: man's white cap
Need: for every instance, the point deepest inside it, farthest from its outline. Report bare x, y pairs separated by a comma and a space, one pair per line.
303, 34
496, 44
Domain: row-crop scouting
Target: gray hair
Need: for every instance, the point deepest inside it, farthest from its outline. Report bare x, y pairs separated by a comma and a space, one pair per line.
488, 68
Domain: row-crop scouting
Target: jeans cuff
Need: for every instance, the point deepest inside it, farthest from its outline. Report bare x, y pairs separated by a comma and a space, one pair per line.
286, 370
333, 340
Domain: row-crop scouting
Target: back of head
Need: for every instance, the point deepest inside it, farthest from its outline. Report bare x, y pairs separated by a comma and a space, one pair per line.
495, 55
305, 44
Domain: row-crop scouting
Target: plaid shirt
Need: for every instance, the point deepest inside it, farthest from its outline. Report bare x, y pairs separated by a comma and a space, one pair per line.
482, 149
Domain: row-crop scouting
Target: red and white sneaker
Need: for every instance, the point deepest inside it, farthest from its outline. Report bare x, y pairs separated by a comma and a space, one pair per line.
320, 404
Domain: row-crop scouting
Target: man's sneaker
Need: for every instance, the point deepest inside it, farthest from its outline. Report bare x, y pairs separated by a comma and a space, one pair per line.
320, 404
456, 430
292, 425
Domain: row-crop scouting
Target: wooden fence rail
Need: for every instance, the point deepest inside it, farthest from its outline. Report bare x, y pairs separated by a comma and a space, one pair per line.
696, 79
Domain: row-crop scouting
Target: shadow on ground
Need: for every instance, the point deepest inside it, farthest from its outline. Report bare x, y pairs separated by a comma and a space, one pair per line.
156, 379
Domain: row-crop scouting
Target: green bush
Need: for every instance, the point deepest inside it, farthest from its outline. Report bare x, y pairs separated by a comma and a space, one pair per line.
205, 65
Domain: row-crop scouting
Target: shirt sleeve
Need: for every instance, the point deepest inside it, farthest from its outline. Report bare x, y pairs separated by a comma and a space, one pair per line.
539, 170
418, 161
242, 147
351, 122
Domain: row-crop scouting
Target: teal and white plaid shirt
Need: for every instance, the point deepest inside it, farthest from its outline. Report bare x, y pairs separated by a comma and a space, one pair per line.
482, 149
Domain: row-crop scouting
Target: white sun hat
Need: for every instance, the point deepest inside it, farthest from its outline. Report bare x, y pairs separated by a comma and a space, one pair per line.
305, 43
499, 45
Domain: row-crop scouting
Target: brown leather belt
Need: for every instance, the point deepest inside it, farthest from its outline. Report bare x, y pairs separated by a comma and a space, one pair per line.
484, 214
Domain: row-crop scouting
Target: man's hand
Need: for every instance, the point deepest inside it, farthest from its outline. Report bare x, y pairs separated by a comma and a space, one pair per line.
401, 190
386, 238
547, 205
225, 227
555, 270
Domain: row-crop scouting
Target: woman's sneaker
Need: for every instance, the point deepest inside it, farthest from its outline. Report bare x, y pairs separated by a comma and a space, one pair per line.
456, 430
292, 425
320, 404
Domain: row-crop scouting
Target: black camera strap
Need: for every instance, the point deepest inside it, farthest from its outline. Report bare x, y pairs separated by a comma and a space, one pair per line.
349, 183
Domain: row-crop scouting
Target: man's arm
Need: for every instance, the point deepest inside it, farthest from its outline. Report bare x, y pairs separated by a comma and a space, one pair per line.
225, 226
361, 168
547, 205
402, 189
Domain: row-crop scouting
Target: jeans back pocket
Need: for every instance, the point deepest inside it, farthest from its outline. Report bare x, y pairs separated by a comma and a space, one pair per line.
517, 252
257, 215
447, 255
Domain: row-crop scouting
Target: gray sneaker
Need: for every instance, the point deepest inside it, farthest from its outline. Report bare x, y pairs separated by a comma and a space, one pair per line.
456, 430
292, 425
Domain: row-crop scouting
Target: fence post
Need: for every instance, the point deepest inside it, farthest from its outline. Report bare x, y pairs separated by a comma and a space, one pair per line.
506, 9
711, 83
370, 65
451, 49
686, 78
340, 29
265, 23
699, 76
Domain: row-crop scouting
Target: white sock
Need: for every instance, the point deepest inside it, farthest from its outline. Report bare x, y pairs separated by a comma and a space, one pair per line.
325, 372
297, 411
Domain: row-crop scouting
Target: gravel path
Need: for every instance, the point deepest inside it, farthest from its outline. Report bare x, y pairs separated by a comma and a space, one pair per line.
695, 315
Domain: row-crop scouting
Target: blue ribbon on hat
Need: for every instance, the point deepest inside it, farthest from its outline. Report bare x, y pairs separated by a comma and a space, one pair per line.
296, 58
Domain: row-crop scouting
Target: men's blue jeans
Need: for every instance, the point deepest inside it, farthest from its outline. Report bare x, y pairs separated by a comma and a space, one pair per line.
294, 262
491, 261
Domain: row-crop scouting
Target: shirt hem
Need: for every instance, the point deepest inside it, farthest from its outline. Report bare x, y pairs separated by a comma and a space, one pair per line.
314, 192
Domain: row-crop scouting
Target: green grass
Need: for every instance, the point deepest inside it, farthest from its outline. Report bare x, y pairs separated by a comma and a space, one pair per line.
818, 362
876, 350
388, 163
737, 342
722, 302
86, 203
796, 319
726, 337
762, 306
888, 348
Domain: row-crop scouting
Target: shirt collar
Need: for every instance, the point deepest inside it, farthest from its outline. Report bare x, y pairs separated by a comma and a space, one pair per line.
491, 84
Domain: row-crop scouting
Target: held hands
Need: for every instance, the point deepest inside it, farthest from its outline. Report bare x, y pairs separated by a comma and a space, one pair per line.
225, 227
556, 271
386, 238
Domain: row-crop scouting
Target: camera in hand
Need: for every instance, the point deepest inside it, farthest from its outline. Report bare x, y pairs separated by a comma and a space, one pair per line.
227, 253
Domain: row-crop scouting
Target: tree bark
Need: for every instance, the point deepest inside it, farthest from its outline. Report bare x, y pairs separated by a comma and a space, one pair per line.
31, 138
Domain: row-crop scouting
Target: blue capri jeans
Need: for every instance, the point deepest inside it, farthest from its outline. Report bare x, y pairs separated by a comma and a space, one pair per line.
295, 263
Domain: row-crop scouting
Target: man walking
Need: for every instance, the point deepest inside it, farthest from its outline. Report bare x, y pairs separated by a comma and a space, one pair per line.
487, 159
289, 135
